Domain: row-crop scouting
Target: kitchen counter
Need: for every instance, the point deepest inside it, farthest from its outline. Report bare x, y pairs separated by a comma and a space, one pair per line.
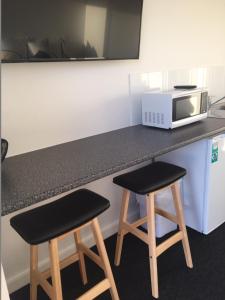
38, 175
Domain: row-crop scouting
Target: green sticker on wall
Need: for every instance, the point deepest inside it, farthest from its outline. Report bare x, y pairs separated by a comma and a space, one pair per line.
215, 151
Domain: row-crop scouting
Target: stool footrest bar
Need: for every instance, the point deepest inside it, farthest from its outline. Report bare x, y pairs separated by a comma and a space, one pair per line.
135, 231
63, 264
47, 287
96, 290
93, 256
166, 215
139, 222
169, 242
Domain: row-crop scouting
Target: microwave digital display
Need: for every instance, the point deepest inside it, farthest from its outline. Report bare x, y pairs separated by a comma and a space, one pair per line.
185, 107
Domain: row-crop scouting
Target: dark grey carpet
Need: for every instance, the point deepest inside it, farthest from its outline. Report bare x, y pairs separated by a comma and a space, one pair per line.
176, 282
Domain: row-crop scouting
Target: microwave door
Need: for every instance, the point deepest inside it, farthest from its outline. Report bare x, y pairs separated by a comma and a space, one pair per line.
186, 106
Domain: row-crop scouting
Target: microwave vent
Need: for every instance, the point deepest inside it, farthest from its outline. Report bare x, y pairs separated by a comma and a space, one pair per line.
146, 117
154, 118
158, 118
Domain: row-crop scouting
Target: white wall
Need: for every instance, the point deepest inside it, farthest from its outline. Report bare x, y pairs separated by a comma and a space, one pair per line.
49, 103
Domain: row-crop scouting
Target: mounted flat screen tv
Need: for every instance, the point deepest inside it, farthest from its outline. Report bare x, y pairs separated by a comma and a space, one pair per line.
67, 30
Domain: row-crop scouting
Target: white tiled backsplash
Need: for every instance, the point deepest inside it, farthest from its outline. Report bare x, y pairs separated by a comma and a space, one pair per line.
213, 78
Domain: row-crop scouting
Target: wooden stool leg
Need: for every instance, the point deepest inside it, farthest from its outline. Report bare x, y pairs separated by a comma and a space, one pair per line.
180, 215
77, 238
104, 258
55, 270
33, 269
152, 243
121, 231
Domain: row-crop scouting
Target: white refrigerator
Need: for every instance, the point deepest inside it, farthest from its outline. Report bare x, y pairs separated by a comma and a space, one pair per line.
203, 188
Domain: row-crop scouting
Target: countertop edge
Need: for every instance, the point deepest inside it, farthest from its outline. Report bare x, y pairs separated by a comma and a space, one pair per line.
57, 191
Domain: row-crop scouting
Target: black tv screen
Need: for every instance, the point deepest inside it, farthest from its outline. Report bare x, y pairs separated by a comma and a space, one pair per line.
60, 30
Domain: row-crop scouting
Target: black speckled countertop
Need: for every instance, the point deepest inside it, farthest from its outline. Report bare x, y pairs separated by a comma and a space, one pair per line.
38, 175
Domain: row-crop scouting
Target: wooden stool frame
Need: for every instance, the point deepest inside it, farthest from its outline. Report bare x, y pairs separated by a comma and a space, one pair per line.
54, 290
150, 238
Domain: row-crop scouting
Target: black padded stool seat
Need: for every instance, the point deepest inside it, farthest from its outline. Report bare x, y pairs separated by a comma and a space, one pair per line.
46, 222
150, 178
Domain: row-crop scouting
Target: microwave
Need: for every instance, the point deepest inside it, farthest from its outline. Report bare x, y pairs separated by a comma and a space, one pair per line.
175, 108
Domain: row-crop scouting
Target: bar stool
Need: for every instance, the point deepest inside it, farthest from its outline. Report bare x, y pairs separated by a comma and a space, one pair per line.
53, 222
149, 180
